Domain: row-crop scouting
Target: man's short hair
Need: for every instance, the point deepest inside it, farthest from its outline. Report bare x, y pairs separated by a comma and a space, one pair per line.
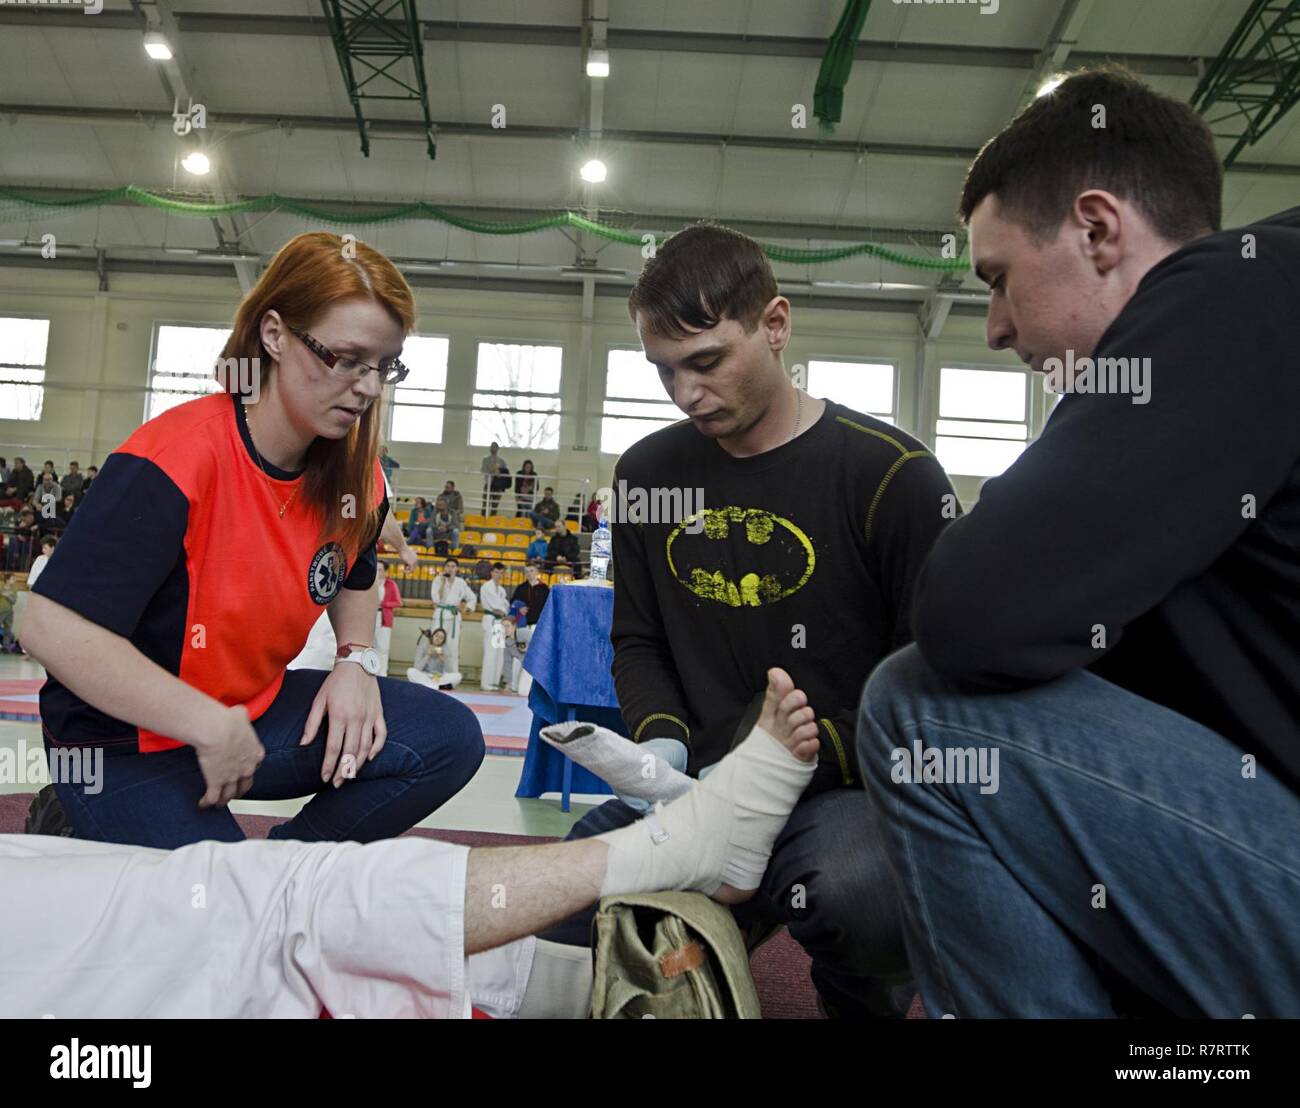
701, 276
548, 489
451, 562
498, 565
1149, 149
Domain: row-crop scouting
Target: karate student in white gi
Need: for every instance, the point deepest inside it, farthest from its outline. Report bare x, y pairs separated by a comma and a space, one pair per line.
452, 597
496, 607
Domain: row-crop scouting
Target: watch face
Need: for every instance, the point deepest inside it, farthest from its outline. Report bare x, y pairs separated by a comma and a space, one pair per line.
370, 662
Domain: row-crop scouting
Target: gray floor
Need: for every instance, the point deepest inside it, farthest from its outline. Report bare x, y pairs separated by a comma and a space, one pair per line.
487, 803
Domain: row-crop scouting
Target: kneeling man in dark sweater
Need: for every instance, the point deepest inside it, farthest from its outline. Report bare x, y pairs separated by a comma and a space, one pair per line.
767, 529
1088, 766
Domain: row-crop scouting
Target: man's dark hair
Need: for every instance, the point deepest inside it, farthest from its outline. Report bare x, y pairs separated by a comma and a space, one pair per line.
498, 565
451, 561
95, 468
701, 276
548, 489
1154, 151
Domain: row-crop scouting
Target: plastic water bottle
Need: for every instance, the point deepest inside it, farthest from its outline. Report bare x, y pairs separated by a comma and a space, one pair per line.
602, 552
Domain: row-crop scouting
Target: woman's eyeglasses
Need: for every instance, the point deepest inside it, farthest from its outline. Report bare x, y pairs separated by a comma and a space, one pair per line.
390, 371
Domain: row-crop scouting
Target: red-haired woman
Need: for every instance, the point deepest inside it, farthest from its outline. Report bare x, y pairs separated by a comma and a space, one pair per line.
217, 533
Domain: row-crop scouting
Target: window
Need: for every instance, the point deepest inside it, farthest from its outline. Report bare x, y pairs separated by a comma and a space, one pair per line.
418, 401
863, 386
635, 401
23, 345
184, 365
982, 425
517, 396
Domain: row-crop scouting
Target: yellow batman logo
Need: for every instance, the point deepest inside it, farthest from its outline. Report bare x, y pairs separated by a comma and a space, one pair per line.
778, 557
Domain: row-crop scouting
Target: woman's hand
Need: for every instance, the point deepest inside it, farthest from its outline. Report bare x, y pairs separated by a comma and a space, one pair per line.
228, 757
357, 732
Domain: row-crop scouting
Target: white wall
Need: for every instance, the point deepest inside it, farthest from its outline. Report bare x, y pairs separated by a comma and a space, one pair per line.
100, 345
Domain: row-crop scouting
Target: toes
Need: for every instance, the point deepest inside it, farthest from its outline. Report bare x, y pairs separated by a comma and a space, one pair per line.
779, 684
792, 702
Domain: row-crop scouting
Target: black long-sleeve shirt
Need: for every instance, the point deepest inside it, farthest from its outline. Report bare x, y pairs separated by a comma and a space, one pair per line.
1171, 527
806, 561
534, 596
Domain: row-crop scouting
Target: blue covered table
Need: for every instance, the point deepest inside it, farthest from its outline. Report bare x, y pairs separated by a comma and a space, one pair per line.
569, 656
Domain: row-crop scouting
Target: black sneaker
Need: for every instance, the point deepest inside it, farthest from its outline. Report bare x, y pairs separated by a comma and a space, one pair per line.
46, 815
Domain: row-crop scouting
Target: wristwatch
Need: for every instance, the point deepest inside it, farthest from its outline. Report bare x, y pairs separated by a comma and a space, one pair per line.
366, 657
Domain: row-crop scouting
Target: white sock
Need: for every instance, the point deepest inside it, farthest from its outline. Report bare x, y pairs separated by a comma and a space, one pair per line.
627, 767
719, 832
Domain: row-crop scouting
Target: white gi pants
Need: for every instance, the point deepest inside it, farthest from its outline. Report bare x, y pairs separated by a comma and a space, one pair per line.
494, 656
252, 929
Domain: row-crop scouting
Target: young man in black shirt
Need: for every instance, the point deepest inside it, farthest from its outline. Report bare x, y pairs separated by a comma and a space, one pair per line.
1110, 640
814, 522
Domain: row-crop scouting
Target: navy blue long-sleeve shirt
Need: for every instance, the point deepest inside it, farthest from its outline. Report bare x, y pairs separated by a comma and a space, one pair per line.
1171, 526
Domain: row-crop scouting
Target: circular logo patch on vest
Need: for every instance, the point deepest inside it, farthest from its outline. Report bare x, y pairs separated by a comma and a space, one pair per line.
328, 569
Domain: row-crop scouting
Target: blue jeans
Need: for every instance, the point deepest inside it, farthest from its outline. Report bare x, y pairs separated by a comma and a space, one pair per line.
828, 882
1123, 849
434, 746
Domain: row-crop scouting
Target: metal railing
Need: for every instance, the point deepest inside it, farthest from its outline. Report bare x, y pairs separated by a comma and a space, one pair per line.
409, 482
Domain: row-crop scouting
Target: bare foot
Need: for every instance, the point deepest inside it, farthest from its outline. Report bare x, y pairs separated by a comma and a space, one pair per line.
787, 717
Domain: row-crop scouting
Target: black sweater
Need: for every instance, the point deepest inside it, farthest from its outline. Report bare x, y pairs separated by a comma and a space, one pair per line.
699, 619
1174, 525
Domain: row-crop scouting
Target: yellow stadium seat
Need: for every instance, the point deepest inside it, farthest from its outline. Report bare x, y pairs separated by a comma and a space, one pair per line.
572, 525
499, 522
476, 521
512, 556
517, 539
470, 536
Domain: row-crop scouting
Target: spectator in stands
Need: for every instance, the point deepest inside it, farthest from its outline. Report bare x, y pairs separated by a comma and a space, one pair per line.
19, 487
421, 515
539, 548
525, 488
444, 528
74, 482
591, 518
8, 600
65, 512
563, 549
91, 473
48, 467
547, 512
496, 478
481, 572
18, 556
46, 498
47, 548
532, 593
455, 501
4, 472
388, 463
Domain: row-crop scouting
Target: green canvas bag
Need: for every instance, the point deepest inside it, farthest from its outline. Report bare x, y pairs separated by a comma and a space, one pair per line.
669, 956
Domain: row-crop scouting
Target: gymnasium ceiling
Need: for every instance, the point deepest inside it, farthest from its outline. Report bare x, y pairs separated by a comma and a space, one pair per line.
694, 121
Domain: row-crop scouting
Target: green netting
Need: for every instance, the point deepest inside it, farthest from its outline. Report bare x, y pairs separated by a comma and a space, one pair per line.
18, 204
